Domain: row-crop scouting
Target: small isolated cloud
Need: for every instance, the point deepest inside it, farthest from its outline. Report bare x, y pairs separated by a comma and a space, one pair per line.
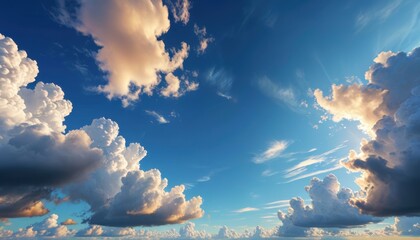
131, 52
387, 107
246, 209
286, 95
204, 179
221, 79
69, 221
228, 97
180, 10
159, 118
203, 39
273, 151
269, 173
330, 206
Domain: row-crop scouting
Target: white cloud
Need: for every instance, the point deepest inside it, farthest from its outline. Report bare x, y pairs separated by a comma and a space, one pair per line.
159, 118
188, 232
273, 151
181, 10
330, 206
95, 164
246, 209
131, 52
286, 95
204, 40
388, 108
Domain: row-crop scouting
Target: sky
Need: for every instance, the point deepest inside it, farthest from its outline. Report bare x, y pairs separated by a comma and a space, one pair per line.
184, 119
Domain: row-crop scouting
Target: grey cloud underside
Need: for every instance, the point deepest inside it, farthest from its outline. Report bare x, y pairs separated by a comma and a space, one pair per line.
33, 160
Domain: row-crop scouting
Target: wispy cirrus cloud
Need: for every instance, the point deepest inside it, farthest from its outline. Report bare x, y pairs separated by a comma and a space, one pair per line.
246, 209
159, 118
379, 13
273, 151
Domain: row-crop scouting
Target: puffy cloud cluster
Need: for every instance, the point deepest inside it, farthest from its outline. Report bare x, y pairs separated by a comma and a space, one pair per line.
131, 52
92, 164
181, 10
387, 107
203, 39
188, 232
330, 206
49, 227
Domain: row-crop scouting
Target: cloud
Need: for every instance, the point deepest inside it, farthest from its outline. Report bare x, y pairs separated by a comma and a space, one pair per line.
32, 139
390, 112
174, 88
330, 206
273, 151
180, 10
48, 227
131, 52
247, 209
159, 118
221, 79
338, 166
286, 95
69, 221
204, 40
228, 97
92, 164
226, 233
188, 232
382, 13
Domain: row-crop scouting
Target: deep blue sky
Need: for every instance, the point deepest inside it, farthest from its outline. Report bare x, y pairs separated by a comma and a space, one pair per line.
298, 45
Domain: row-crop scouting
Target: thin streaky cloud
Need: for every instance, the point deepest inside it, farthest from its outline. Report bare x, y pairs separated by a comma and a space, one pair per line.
159, 118
277, 206
336, 167
278, 202
246, 209
273, 151
307, 162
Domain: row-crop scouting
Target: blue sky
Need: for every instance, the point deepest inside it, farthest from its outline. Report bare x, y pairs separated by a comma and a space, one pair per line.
255, 91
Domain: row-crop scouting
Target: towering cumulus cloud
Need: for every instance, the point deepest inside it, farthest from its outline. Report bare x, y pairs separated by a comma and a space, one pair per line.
130, 52
388, 107
93, 164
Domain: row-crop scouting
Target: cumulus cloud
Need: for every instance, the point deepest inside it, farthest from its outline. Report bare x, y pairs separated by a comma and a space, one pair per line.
93, 164
32, 138
131, 53
226, 233
69, 221
48, 227
330, 206
181, 10
273, 151
188, 232
203, 39
388, 107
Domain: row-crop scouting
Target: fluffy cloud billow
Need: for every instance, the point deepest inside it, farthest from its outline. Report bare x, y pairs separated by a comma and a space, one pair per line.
93, 164
388, 108
131, 52
330, 207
